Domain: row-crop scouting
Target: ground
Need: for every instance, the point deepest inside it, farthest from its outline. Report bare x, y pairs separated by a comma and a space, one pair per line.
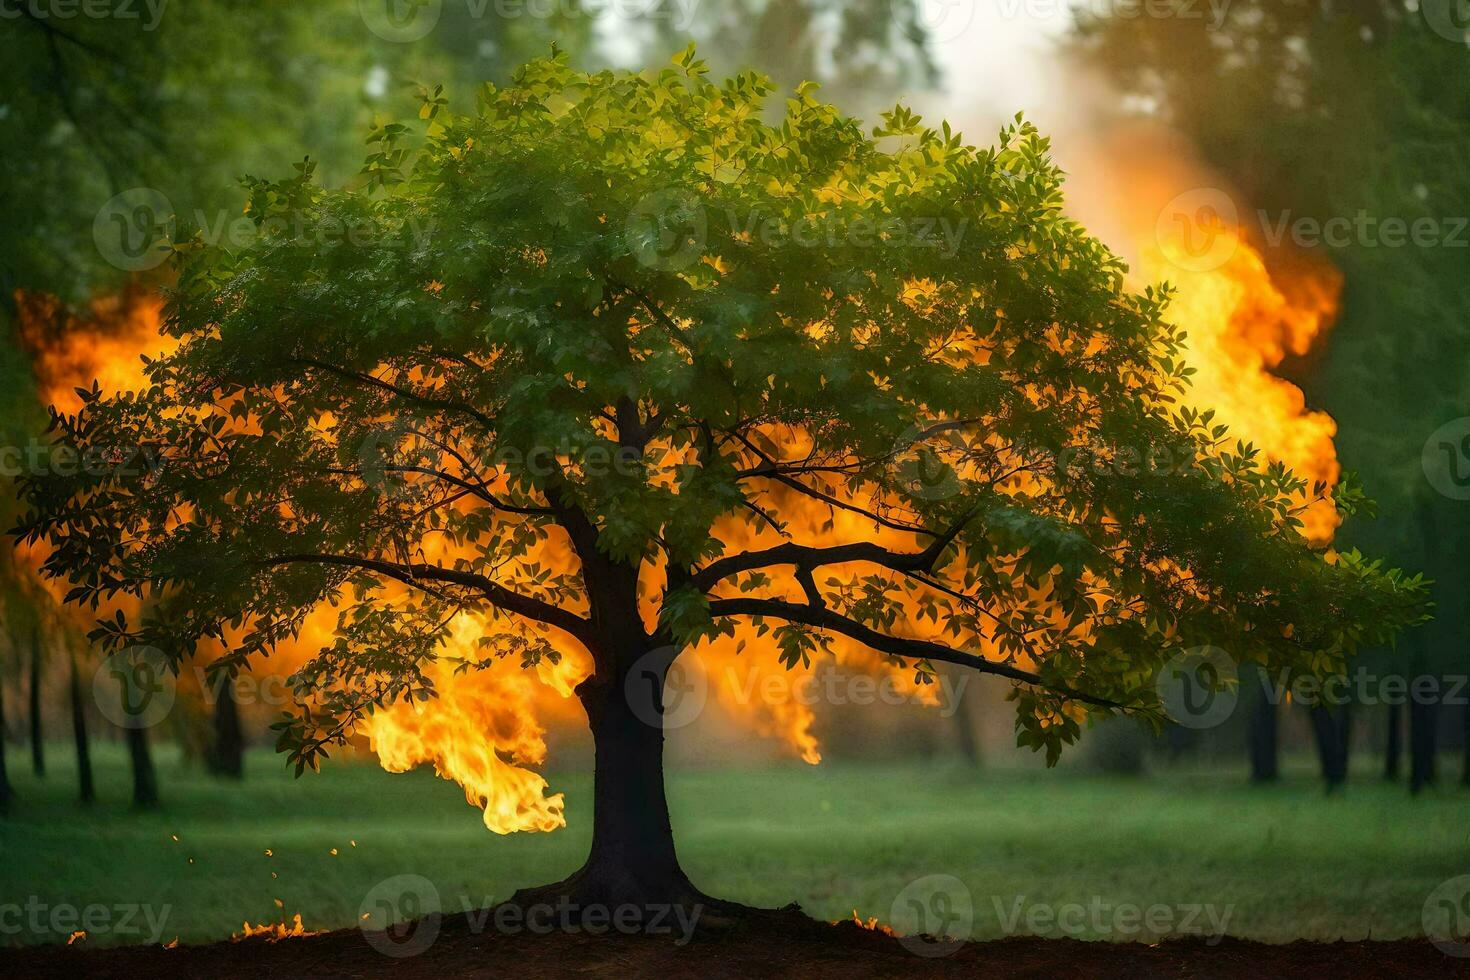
1274, 864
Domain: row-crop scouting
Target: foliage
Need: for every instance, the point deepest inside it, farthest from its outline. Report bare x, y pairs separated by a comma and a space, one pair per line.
583, 356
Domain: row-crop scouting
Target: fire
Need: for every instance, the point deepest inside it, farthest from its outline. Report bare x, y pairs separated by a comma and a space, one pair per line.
1242, 321
274, 931
482, 731
107, 344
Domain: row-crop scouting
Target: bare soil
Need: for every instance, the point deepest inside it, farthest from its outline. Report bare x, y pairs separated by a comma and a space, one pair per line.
783, 943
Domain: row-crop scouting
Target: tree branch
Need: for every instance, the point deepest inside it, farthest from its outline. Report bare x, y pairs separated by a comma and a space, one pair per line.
895, 646
414, 574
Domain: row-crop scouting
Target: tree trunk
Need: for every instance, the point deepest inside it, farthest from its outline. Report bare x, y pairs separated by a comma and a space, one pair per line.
1332, 726
226, 755
1423, 743
1393, 746
632, 868
38, 750
145, 781
85, 789
1465, 768
1265, 766
964, 723
6, 793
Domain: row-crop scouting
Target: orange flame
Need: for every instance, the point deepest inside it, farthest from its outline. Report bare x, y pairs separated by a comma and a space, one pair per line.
1242, 321
482, 732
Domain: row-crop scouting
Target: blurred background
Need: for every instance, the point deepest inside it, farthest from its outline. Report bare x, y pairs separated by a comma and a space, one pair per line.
1297, 168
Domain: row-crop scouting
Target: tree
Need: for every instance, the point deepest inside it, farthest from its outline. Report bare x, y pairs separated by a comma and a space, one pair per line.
86, 791
611, 336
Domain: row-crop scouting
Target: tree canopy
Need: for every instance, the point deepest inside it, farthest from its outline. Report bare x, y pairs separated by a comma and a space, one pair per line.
579, 358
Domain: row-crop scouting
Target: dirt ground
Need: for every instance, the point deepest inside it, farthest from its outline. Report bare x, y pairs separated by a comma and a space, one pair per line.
774, 944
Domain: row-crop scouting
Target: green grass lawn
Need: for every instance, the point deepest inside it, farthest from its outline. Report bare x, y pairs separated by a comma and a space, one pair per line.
1285, 861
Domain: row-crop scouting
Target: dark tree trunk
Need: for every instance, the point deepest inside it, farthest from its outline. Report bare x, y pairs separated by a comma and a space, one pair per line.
1393, 745
1332, 727
1262, 735
38, 749
1423, 743
85, 790
145, 781
964, 723
6, 793
226, 755
1465, 766
632, 865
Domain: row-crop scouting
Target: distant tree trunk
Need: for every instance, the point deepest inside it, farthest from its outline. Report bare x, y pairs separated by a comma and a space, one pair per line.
1423, 743
38, 751
226, 755
85, 789
1265, 767
6, 793
145, 780
1465, 767
1393, 746
964, 722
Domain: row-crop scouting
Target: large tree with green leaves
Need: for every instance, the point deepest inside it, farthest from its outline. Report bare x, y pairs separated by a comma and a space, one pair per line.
624, 320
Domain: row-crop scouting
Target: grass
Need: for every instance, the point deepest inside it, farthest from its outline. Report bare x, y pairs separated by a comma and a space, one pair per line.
1284, 861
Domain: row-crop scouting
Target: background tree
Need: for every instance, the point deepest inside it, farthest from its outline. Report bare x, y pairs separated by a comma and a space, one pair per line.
590, 366
1339, 111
